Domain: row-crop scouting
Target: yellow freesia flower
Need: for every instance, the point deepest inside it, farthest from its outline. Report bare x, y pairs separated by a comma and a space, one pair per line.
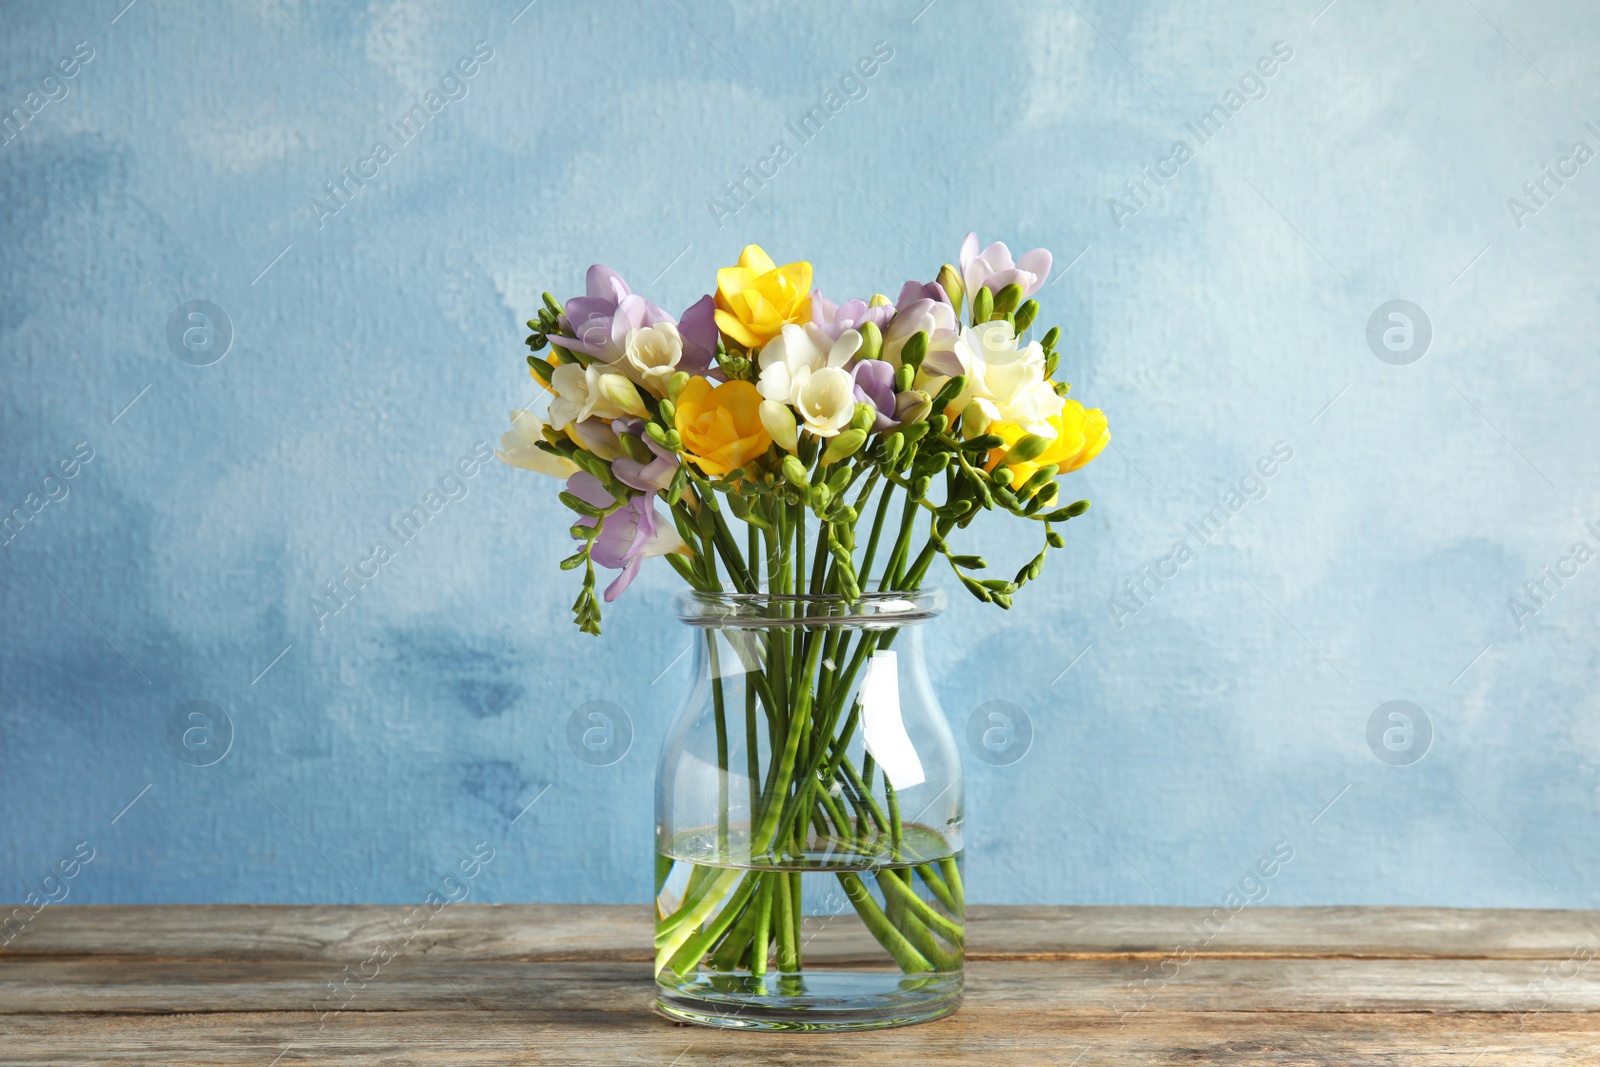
1081, 435
721, 427
756, 299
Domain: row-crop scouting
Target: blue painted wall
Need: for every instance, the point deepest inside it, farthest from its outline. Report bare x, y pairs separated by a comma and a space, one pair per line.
1218, 313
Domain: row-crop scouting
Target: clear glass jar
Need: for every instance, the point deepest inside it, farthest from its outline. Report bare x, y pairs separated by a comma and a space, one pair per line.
809, 808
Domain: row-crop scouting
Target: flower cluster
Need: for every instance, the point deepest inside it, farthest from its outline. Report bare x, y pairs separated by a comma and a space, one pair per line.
775, 401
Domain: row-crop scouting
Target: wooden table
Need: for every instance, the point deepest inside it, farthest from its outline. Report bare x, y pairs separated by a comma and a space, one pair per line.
493, 984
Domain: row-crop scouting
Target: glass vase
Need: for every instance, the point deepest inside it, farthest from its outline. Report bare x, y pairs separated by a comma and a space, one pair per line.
809, 810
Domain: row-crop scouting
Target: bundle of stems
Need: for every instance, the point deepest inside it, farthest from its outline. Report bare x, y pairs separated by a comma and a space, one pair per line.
800, 689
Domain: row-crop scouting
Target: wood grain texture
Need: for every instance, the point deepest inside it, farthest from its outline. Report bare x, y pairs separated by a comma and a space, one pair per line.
491, 984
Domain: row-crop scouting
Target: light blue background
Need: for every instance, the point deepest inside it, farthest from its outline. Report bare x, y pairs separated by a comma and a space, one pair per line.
1227, 315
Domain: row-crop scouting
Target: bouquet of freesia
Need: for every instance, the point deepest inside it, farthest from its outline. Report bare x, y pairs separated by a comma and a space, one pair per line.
797, 447
773, 404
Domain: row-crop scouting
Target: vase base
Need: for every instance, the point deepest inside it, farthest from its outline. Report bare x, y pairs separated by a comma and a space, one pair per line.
818, 1001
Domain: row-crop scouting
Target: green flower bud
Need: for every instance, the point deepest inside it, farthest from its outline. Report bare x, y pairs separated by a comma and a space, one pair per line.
554, 306
669, 411
676, 383
949, 280
919, 488
674, 442
1047, 495
1028, 446
982, 305
936, 424
1052, 359
839, 480
1051, 338
892, 446
795, 472
580, 505
914, 431
542, 368
871, 341
820, 497
912, 405
1055, 540
635, 448
1007, 299
864, 417
1025, 315
844, 446
915, 349
948, 392
1039, 479
984, 442
1001, 476
656, 432
902, 377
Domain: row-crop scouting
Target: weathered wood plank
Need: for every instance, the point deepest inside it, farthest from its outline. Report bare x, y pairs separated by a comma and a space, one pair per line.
1055, 1038
1111, 986
623, 932
562, 984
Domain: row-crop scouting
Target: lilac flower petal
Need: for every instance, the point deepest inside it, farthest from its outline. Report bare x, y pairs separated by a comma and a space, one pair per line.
587, 488
1036, 263
874, 380
698, 329
623, 580
603, 283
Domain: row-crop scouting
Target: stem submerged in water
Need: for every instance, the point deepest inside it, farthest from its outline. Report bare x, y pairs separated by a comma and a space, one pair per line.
808, 802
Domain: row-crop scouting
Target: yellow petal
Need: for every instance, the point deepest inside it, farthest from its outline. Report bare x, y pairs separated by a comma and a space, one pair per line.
755, 258
729, 324
797, 275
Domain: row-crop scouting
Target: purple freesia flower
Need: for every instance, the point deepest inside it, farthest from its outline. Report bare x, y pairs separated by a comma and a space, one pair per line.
630, 535
930, 315
651, 477
993, 268
875, 385
913, 291
599, 322
698, 328
835, 319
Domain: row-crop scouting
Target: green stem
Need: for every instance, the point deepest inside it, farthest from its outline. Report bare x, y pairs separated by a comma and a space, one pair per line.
788, 957
905, 954
760, 936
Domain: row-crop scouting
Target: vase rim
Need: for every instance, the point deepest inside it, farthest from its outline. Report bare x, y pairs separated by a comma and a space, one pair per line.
874, 607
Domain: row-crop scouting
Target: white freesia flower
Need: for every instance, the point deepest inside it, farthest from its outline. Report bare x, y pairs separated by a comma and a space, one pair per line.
520, 448
825, 398
801, 348
585, 392
652, 355
1004, 382
778, 420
